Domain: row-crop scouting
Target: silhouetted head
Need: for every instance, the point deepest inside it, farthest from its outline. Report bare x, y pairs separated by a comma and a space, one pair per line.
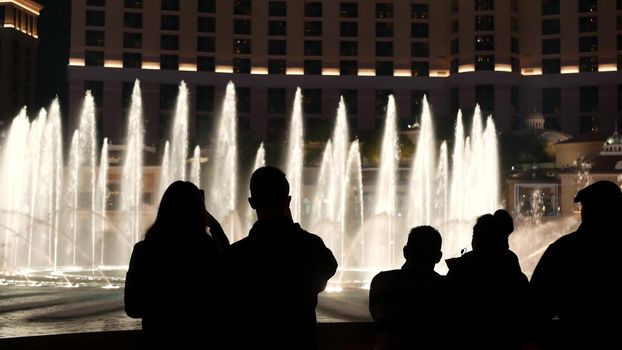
505, 225
491, 232
486, 234
601, 203
181, 213
504, 221
269, 192
423, 247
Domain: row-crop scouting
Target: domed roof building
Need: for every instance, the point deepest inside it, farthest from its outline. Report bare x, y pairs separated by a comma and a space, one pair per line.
612, 145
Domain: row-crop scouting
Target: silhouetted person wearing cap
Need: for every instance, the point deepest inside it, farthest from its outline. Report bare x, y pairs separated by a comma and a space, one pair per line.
488, 291
277, 272
576, 289
408, 304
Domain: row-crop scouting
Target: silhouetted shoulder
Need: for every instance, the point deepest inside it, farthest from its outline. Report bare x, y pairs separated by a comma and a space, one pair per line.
135, 283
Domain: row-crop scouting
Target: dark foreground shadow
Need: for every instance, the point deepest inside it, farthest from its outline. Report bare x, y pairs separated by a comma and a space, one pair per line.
331, 336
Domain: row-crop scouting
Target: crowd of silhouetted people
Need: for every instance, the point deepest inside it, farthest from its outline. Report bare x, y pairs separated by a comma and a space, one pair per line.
193, 289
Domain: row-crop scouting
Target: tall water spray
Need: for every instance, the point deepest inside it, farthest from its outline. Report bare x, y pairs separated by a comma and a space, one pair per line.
381, 252
164, 180
14, 174
420, 208
195, 166
260, 161
54, 135
179, 137
456, 187
295, 157
88, 158
132, 172
223, 179
101, 197
329, 204
55, 219
71, 191
354, 249
35, 138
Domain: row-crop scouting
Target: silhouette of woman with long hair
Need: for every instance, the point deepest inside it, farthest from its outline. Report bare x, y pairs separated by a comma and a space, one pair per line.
173, 280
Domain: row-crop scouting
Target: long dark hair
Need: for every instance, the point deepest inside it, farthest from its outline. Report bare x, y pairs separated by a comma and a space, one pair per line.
181, 213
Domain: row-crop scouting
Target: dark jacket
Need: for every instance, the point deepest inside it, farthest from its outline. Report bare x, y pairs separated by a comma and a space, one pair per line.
174, 287
276, 274
488, 298
576, 291
408, 307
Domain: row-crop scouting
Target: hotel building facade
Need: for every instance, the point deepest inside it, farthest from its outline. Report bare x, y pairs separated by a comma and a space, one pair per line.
554, 59
18, 55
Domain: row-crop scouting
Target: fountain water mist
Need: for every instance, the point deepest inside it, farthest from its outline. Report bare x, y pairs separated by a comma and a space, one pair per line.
380, 251
329, 205
223, 166
195, 167
164, 171
47, 221
354, 185
132, 171
421, 206
260, 161
87, 158
101, 196
35, 136
54, 135
295, 157
179, 137
14, 175
456, 190
73, 169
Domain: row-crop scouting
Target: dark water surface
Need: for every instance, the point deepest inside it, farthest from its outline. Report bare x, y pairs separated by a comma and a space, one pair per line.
28, 311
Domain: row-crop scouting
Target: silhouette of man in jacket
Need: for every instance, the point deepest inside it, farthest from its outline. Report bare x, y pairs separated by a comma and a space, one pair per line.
408, 304
276, 272
576, 293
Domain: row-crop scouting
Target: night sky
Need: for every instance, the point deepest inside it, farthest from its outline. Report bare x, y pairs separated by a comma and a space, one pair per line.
53, 53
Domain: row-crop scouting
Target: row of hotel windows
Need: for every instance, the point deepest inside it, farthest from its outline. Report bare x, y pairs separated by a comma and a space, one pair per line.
552, 7
350, 9
587, 44
275, 47
276, 8
168, 22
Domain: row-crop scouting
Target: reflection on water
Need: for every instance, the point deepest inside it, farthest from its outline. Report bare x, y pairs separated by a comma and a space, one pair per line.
28, 311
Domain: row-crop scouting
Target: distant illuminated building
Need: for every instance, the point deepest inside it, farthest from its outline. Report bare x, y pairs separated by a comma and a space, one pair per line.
514, 58
18, 55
